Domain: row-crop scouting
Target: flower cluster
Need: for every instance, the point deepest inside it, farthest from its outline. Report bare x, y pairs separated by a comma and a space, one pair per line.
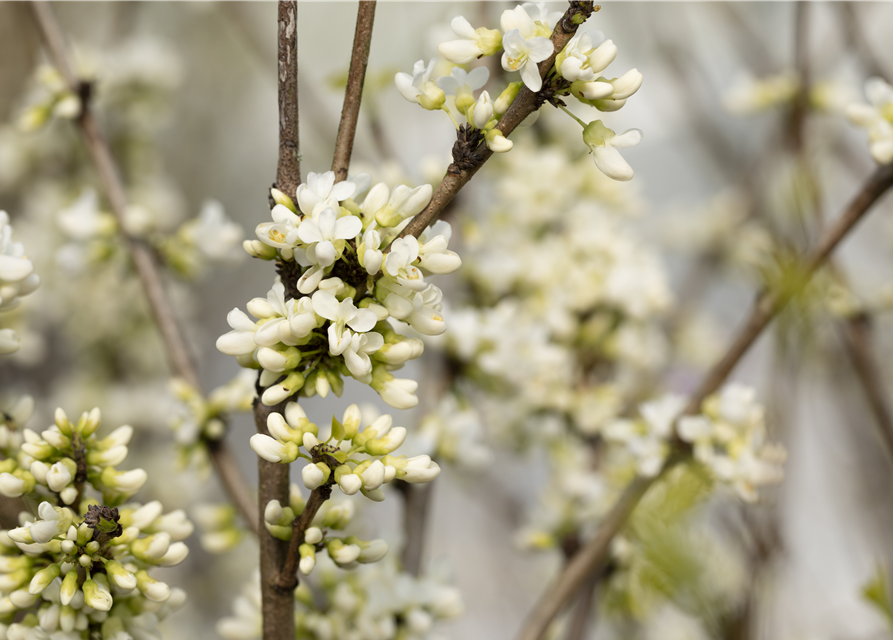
728, 437
347, 279
84, 567
372, 603
354, 459
17, 278
56, 100
876, 118
525, 41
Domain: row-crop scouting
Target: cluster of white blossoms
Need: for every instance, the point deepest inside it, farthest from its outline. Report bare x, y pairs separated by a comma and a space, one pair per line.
373, 603
347, 281
17, 279
728, 437
55, 100
876, 118
83, 567
354, 459
524, 39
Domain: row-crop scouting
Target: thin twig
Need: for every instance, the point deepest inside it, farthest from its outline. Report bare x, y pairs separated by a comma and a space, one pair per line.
523, 106
356, 76
148, 272
288, 577
594, 553
856, 333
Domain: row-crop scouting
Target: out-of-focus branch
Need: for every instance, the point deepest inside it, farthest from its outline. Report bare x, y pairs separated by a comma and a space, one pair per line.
148, 272
594, 553
288, 171
856, 333
525, 104
859, 42
416, 506
356, 76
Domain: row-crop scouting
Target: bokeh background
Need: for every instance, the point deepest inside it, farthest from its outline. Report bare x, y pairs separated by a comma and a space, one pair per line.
205, 127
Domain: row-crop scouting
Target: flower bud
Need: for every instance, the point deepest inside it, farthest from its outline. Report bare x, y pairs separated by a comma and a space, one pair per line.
43, 578
497, 142
96, 597
308, 558
315, 475
313, 535
627, 84
153, 589
122, 578
69, 587
483, 110
284, 200
603, 55
387, 444
257, 249
272, 450
507, 97
342, 554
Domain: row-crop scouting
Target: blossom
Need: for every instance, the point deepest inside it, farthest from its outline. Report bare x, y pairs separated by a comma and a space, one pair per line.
877, 118
398, 264
326, 229
418, 87
282, 233
83, 220
461, 83
585, 55
391, 208
433, 254
522, 54
342, 315
603, 143
356, 354
321, 188
213, 233
472, 43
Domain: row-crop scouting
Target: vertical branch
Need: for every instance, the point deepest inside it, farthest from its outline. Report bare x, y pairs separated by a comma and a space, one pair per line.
288, 171
416, 506
278, 604
350, 112
148, 271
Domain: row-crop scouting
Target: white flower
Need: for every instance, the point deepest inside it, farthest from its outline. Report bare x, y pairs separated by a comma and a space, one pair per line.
472, 43
282, 233
52, 522
433, 253
604, 144
418, 87
419, 469
398, 264
16, 271
626, 85
272, 450
522, 54
575, 58
83, 220
342, 315
214, 234
59, 476
321, 187
356, 355
372, 255
425, 316
325, 230
390, 209
483, 110
239, 341
10, 486
397, 392
877, 118
461, 84
661, 413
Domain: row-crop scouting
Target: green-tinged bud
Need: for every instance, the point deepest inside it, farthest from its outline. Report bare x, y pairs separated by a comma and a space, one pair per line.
43, 578
308, 558
608, 105
92, 547
339, 516
122, 578
153, 589
278, 531
96, 597
370, 550
464, 99
336, 382
296, 499
489, 41
85, 561
113, 627
386, 444
342, 554
351, 421
388, 216
337, 429
284, 200
257, 249
85, 534
507, 97
352, 207
278, 392
151, 548
61, 420
69, 587
89, 423
34, 118
432, 97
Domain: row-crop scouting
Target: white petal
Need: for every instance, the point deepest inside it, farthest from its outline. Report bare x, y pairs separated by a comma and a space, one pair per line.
611, 163
530, 74
347, 227
363, 321
629, 138
457, 52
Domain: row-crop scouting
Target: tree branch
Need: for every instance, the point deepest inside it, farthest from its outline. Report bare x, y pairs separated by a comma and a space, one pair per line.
288, 171
288, 577
416, 503
356, 76
594, 553
178, 353
525, 104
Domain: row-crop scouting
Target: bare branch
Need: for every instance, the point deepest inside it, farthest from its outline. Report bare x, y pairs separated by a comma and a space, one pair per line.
288, 577
593, 554
356, 76
288, 171
148, 272
416, 506
857, 336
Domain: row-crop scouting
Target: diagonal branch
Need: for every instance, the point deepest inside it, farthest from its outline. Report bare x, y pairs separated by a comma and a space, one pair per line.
356, 76
594, 553
525, 104
147, 269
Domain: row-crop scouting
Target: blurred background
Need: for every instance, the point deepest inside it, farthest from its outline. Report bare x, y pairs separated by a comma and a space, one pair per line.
746, 151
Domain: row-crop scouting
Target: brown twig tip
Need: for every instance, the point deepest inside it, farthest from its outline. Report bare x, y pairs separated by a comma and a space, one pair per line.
353, 95
288, 578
